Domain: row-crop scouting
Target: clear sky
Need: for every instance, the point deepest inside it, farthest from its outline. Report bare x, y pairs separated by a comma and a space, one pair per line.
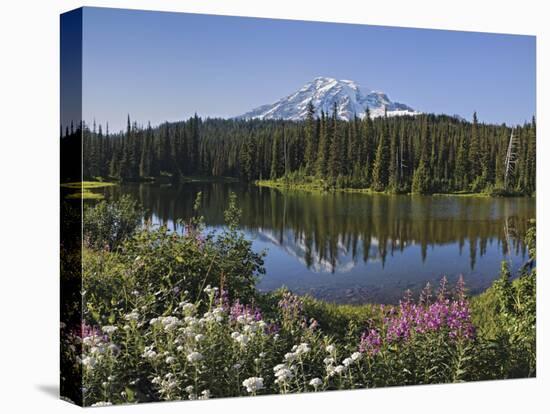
166, 66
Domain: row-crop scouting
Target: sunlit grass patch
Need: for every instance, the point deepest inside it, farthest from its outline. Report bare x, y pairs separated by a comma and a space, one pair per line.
85, 195
87, 184
85, 187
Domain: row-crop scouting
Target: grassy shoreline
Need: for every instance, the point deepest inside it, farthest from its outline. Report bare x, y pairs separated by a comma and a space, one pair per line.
321, 187
83, 189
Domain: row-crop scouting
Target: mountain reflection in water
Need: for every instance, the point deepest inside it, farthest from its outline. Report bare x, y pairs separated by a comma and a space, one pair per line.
357, 248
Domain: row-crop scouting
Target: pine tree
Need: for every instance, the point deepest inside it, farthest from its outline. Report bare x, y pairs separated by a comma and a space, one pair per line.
248, 155
323, 148
310, 144
275, 158
421, 179
462, 164
381, 162
367, 148
474, 154
393, 170
334, 162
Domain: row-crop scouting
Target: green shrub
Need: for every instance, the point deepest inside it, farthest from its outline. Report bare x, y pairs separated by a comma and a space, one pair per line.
107, 224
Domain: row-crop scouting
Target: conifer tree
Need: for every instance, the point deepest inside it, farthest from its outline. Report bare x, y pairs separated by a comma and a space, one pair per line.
474, 155
462, 164
381, 161
323, 148
393, 170
334, 162
275, 158
310, 144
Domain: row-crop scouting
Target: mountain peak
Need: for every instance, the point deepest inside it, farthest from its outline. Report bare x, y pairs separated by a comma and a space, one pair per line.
351, 100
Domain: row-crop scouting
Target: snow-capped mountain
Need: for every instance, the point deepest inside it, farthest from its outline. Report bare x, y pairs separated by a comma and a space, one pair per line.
351, 99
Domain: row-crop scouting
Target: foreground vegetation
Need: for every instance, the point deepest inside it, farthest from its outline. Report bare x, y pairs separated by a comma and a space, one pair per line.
169, 316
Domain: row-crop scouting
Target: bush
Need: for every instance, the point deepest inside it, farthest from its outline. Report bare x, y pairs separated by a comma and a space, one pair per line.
507, 314
158, 266
107, 224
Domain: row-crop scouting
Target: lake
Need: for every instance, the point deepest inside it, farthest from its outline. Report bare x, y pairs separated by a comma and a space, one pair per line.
357, 248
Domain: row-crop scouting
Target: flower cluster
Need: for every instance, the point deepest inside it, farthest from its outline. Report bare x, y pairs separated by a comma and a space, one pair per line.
450, 316
291, 306
217, 348
239, 311
253, 384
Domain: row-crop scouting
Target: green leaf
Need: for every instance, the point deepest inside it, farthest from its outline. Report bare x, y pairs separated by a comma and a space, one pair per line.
129, 394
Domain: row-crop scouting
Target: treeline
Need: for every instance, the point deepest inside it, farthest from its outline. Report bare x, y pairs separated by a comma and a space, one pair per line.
420, 154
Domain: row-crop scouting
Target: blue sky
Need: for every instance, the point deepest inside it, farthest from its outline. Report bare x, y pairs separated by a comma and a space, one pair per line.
166, 66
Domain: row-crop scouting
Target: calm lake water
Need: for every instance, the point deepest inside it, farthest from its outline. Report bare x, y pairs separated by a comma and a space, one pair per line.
357, 248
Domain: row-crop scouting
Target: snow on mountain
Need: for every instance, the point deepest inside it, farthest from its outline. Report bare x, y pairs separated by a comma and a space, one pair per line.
351, 99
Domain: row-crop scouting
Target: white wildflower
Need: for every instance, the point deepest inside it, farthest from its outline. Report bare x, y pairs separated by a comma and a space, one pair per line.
347, 362
302, 349
328, 361
109, 329
283, 375
356, 356
315, 382
91, 340
89, 361
205, 395
278, 367
199, 337
339, 369
290, 356
210, 290
191, 321
149, 353
189, 389
240, 338
253, 384
170, 323
132, 316
194, 357
330, 349
170, 360
187, 308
